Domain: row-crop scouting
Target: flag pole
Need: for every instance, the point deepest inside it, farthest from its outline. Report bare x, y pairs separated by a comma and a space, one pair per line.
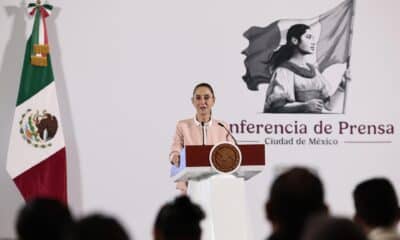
348, 59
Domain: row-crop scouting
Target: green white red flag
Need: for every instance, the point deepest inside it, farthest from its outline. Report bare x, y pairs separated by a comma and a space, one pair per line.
36, 159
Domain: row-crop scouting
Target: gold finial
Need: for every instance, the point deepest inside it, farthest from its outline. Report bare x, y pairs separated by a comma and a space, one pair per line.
38, 2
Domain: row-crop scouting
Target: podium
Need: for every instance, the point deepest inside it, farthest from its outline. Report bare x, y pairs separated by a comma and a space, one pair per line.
221, 195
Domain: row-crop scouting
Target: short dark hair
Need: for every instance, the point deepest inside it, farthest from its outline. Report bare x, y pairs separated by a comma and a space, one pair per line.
207, 85
179, 219
100, 227
45, 219
295, 196
376, 202
333, 228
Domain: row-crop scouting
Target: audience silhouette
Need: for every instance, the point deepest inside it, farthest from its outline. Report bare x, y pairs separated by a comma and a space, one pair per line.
99, 227
44, 219
332, 228
295, 196
178, 220
295, 208
377, 209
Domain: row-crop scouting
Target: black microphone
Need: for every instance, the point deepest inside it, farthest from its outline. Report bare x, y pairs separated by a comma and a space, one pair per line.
202, 130
229, 133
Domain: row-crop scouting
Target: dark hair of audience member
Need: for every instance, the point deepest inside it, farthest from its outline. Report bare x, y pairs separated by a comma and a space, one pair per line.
99, 227
179, 219
329, 228
376, 203
43, 219
295, 196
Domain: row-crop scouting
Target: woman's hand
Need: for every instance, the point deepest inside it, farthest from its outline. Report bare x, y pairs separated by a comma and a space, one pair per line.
346, 77
314, 105
347, 74
175, 160
182, 186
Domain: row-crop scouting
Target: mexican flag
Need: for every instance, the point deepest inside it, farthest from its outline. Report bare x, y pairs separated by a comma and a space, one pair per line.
332, 31
36, 159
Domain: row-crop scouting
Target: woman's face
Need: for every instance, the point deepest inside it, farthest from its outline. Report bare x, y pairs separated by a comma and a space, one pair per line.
203, 100
307, 43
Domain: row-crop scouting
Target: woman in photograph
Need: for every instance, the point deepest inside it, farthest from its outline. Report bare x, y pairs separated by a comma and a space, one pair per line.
201, 129
296, 85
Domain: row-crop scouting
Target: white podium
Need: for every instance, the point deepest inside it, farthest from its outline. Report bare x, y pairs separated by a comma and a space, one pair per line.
221, 195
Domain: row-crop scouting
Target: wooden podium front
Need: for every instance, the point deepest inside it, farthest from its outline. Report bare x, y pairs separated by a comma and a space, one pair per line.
221, 196
195, 163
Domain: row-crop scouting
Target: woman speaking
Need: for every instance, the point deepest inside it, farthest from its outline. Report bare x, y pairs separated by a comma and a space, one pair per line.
201, 129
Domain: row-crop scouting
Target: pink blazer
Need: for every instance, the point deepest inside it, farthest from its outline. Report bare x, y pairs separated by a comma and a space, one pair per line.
189, 132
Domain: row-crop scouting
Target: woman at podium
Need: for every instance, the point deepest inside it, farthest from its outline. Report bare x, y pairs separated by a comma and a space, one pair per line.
201, 129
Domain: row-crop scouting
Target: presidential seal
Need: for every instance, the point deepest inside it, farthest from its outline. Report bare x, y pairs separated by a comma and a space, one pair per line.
38, 128
225, 157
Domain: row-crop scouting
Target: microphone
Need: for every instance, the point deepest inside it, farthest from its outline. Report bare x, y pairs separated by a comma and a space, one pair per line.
229, 133
202, 130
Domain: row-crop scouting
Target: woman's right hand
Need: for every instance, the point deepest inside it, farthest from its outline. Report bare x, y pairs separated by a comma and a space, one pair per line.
175, 160
314, 105
182, 186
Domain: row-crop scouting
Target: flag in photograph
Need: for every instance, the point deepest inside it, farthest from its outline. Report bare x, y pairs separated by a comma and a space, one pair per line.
332, 31
36, 159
